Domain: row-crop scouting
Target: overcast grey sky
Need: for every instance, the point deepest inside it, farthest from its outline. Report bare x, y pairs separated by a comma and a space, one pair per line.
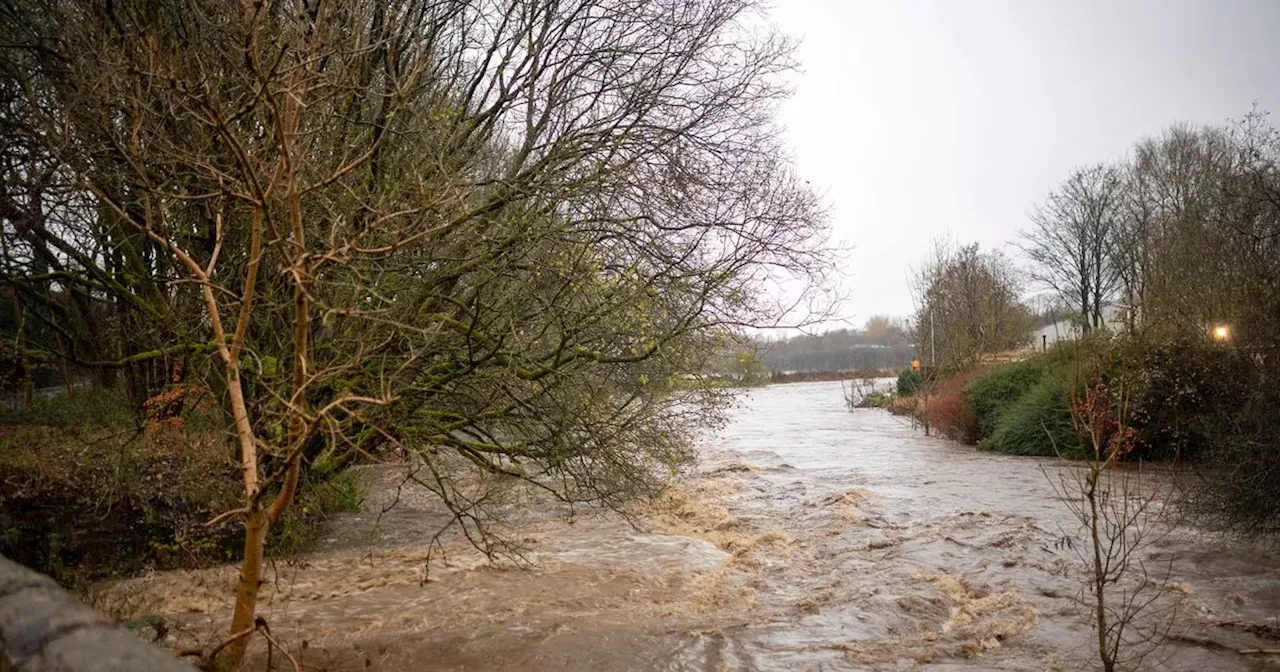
918, 118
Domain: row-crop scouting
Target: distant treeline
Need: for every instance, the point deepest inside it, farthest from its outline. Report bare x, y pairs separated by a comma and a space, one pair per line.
818, 376
883, 343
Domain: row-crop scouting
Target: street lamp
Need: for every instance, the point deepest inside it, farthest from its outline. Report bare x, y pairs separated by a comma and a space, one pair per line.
1221, 332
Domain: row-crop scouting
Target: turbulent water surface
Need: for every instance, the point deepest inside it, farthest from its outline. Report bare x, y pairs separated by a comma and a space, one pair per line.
809, 538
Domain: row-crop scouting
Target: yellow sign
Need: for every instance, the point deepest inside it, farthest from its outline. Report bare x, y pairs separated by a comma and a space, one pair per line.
915, 365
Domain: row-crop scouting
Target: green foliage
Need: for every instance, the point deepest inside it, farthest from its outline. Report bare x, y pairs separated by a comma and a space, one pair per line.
316, 501
1038, 422
989, 396
749, 370
93, 407
876, 400
84, 503
345, 491
1182, 395
1208, 406
909, 380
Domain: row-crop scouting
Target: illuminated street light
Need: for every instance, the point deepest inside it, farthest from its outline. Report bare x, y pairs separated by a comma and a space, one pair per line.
1221, 332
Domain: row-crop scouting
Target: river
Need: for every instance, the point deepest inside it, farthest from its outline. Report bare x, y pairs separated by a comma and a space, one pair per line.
810, 537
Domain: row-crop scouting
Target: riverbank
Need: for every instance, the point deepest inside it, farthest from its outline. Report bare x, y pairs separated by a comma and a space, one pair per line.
828, 376
808, 538
86, 494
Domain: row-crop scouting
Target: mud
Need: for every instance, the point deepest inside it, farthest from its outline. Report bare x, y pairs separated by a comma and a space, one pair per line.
809, 538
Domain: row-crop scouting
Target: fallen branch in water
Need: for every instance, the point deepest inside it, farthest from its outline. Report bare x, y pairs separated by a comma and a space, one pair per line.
292, 661
1203, 642
208, 658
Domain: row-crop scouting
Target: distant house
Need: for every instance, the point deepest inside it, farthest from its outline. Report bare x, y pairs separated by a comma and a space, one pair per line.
1062, 330
1068, 330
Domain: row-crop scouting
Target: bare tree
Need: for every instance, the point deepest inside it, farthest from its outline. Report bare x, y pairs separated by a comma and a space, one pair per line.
1120, 518
1070, 244
495, 233
967, 306
1186, 236
1169, 246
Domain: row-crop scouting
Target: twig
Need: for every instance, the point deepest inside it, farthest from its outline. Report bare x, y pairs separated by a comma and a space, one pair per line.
292, 661
228, 641
225, 515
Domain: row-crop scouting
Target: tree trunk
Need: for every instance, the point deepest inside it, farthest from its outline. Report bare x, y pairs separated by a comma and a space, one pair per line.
24, 371
66, 380
1099, 574
242, 619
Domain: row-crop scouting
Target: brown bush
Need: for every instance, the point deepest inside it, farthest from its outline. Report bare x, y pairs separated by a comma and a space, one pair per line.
903, 405
946, 410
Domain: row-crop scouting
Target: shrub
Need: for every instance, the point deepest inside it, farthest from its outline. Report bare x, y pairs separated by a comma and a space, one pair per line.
85, 503
902, 406
1038, 422
316, 500
996, 391
909, 381
1213, 407
1182, 395
875, 401
1238, 485
947, 411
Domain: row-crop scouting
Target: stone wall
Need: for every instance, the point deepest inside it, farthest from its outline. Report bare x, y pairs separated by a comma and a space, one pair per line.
43, 628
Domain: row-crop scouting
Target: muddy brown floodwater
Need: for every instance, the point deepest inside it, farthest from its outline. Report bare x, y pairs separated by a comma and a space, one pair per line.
808, 538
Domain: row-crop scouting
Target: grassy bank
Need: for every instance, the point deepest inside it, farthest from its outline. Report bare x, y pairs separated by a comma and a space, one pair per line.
1019, 408
1178, 396
88, 491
